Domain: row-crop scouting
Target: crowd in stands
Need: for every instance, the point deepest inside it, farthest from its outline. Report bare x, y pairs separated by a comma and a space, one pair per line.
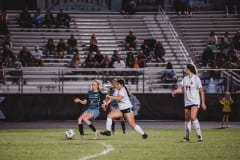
223, 52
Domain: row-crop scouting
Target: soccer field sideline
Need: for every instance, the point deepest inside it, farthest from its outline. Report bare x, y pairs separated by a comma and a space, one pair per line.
100, 124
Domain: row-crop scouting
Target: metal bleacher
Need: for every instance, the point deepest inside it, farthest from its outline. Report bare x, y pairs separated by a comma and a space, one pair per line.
110, 30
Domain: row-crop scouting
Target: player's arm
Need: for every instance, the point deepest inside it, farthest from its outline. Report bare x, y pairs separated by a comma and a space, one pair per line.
177, 91
202, 95
77, 100
117, 98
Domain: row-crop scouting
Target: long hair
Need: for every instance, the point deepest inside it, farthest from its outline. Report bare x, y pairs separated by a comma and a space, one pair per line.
192, 68
99, 84
122, 82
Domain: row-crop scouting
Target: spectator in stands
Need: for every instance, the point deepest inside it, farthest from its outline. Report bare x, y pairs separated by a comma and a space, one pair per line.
131, 41
38, 18
37, 56
72, 44
159, 52
230, 6
7, 53
213, 39
141, 59
25, 19
75, 62
3, 23
61, 48
226, 39
90, 62
179, 7
189, 7
236, 41
207, 56
25, 57
49, 19
114, 57
119, 64
130, 60
169, 75
129, 7
63, 19
93, 46
106, 62
50, 48
8, 41
146, 50
99, 59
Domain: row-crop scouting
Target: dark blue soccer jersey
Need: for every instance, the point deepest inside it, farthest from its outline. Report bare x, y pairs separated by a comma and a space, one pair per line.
94, 100
113, 103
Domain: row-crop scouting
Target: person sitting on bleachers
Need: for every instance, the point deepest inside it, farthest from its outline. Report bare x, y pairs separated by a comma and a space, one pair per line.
3, 23
7, 53
8, 41
63, 19
114, 57
37, 56
99, 59
25, 19
207, 56
236, 41
159, 52
49, 19
146, 50
38, 18
141, 59
72, 45
106, 62
213, 39
61, 48
93, 46
50, 48
118, 65
89, 61
75, 62
169, 75
130, 7
130, 60
25, 57
131, 41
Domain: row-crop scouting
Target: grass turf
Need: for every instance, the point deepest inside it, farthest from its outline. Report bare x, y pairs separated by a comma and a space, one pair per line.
164, 144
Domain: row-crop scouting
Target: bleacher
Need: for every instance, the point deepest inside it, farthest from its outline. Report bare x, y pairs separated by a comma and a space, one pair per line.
110, 30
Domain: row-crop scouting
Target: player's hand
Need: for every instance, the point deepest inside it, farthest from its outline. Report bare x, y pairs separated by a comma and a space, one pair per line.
77, 100
104, 107
108, 96
204, 107
173, 93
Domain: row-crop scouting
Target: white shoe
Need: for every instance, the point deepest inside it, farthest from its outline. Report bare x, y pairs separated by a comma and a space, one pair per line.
95, 135
228, 126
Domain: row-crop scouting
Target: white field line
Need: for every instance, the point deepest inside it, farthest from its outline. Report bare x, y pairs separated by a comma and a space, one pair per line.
108, 148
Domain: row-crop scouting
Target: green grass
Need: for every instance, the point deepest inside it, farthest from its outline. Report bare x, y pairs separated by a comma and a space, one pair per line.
163, 144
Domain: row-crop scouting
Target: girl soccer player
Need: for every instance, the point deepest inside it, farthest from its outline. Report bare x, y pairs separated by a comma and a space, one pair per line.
193, 93
125, 107
114, 106
93, 101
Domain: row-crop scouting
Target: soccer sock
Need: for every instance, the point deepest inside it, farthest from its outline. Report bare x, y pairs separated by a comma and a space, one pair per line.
139, 129
113, 126
196, 125
109, 124
80, 128
92, 127
187, 129
123, 126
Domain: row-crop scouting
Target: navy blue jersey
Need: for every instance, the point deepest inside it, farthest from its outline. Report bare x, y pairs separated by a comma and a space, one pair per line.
113, 103
94, 100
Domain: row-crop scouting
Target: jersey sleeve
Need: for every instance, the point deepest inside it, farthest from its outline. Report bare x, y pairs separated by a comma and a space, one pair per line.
199, 83
122, 93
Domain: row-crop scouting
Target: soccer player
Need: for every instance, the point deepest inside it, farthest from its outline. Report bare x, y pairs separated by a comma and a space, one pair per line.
114, 107
194, 96
125, 107
93, 101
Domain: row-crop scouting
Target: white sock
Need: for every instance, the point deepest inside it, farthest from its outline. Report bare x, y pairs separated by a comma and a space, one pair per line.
139, 129
187, 129
109, 124
196, 125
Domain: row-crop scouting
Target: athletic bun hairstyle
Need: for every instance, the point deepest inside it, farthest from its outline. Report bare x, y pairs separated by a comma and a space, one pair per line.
121, 81
192, 68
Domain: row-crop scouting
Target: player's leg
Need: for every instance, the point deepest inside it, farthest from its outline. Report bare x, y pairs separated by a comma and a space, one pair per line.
227, 121
195, 122
80, 123
113, 126
91, 115
131, 121
223, 120
187, 115
123, 125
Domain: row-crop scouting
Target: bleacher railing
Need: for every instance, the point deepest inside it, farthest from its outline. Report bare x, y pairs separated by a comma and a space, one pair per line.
145, 80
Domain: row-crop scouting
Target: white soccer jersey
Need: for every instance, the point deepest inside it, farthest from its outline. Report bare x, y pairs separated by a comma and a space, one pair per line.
191, 90
124, 103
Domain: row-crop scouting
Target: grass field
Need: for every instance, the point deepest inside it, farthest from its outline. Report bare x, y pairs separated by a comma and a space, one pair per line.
162, 144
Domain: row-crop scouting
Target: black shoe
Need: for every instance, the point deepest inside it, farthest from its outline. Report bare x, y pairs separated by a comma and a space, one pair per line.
185, 139
200, 139
144, 136
106, 133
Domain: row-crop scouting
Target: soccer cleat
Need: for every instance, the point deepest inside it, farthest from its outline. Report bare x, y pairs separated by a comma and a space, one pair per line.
228, 126
144, 136
185, 139
124, 132
200, 139
106, 133
95, 135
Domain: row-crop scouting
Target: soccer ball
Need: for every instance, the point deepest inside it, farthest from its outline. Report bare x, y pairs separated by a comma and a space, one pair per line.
69, 134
